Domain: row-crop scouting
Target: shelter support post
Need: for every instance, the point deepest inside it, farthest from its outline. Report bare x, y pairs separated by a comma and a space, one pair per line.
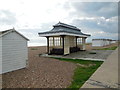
63, 43
53, 41
76, 40
47, 45
83, 43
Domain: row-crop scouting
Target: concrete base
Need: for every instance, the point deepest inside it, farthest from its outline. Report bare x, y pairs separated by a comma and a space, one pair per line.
107, 74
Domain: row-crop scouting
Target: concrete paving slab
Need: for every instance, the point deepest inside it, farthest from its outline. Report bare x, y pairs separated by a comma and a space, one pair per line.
106, 75
97, 55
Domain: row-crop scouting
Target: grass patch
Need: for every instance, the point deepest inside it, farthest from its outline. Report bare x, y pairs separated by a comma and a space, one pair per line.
82, 74
111, 48
33, 48
88, 44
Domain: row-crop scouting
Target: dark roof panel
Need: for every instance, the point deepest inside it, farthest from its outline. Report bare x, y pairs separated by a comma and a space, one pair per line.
61, 27
66, 25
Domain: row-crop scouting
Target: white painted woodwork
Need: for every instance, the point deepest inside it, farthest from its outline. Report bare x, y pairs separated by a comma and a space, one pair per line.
14, 52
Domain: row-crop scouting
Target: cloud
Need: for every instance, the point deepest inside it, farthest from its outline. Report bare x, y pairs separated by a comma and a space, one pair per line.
105, 9
98, 27
100, 19
32, 35
32, 16
47, 26
7, 17
107, 25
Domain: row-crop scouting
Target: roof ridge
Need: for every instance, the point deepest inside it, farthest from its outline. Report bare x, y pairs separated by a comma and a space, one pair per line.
66, 25
11, 30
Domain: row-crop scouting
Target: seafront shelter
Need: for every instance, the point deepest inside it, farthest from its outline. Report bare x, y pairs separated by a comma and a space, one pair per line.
64, 39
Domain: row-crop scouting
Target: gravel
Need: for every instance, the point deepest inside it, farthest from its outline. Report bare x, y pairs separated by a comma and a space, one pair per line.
44, 72
41, 73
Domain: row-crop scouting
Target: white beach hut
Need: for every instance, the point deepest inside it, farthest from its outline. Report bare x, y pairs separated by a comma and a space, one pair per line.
114, 41
13, 51
98, 42
101, 42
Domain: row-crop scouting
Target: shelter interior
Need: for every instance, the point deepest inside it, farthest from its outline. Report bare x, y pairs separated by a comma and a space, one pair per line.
64, 44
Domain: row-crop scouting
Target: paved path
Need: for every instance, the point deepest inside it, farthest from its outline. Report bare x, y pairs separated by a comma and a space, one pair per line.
100, 55
107, 75
88, 54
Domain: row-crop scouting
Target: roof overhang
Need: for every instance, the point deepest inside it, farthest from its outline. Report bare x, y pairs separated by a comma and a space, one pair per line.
13, 30
61, 33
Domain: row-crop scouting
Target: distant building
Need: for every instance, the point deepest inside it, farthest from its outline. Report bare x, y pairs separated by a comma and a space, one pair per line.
114, 41
64, 39
102, 42
13, 51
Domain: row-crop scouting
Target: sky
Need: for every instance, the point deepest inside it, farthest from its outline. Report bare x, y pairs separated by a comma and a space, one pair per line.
29, 17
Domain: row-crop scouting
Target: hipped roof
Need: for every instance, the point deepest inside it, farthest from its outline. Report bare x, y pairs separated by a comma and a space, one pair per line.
64, 29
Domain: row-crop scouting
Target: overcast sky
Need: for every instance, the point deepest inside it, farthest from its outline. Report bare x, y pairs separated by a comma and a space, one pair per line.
32, 16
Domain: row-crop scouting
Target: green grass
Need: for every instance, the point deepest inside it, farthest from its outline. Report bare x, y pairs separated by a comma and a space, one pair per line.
82, 74
111, 48
88, 43
33, 48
